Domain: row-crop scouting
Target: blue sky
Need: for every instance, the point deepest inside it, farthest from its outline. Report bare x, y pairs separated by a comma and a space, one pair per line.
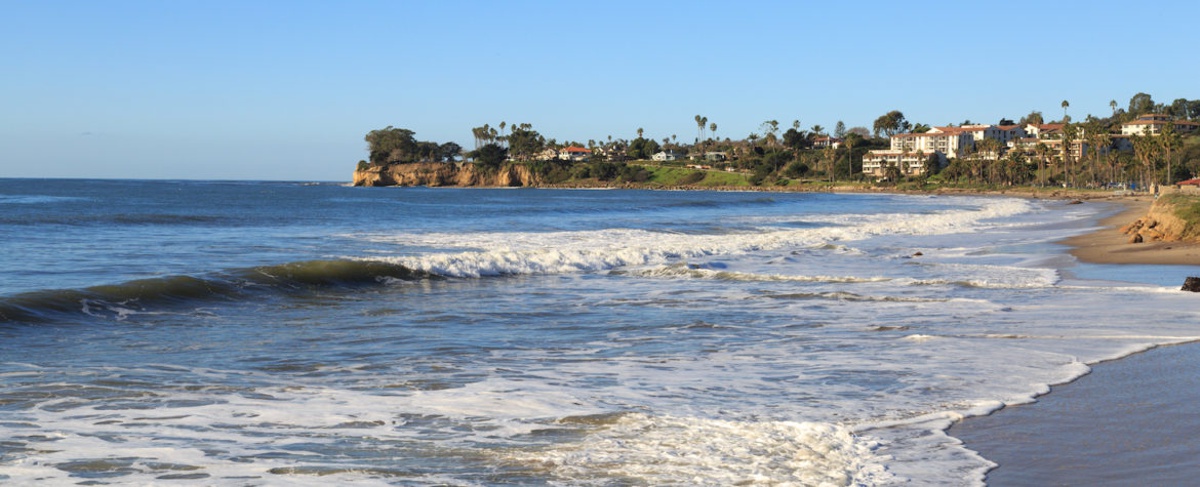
286, 90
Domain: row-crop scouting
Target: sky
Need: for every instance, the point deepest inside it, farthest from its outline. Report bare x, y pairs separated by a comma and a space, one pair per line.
286, 90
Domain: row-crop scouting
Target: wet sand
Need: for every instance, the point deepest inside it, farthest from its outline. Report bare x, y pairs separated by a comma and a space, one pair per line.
1109, 246
1133, 421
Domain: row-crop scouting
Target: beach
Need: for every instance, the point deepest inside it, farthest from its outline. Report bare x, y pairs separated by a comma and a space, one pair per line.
1109, 246
1128, 422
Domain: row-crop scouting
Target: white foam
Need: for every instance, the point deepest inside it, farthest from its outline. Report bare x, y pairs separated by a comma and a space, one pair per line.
665, 450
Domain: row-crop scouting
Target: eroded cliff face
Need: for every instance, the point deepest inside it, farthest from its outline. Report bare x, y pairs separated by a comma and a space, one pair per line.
445, 174
1159, 225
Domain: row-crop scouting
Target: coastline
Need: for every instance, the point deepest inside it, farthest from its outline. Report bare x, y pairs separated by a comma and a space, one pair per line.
1107, 245
1128, 421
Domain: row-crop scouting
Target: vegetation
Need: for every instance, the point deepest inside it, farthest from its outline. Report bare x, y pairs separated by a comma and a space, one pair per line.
1187, 208
778, 155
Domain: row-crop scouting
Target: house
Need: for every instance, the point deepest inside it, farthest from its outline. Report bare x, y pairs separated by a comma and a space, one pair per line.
1189, 186
574, 154
1152, 124
668, 155
876, 162
826, 142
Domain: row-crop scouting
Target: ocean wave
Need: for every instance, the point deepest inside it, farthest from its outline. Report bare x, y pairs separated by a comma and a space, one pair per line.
139, 296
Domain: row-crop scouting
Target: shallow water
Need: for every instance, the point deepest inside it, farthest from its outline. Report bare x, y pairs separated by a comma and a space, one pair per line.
257, 333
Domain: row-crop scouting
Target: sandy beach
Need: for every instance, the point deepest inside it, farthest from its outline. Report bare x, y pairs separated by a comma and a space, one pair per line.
1109, 246
1129, 422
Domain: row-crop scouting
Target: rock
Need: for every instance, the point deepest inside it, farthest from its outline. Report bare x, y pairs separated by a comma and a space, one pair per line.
1191, 284
918, 254
1136, 238
1076, 202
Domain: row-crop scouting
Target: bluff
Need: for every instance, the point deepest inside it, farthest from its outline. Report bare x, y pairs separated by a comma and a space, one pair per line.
445, 174
1167, 221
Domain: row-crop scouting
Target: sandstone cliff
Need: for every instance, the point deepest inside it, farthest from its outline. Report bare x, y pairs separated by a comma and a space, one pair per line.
445, 174
1161, 224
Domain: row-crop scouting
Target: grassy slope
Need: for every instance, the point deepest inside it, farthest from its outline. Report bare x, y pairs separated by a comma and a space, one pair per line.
1187, 208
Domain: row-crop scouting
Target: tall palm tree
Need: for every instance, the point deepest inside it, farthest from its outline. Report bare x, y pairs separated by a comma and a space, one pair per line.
712, 127
1065, 104
699, 129
1042, 151
1169, 140
1113, 105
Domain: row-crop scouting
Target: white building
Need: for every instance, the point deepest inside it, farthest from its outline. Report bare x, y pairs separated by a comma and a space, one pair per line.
574, 154
1152, 124
876, 162
668, 155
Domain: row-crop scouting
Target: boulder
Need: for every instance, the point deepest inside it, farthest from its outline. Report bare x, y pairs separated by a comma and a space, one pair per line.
1191, 284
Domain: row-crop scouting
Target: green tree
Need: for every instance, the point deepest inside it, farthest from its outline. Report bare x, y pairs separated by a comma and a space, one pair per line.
839, 130
891, 123
1065, 104
1169, 141
1034, 118
490, 156
391, 144
1141, 104
524, 142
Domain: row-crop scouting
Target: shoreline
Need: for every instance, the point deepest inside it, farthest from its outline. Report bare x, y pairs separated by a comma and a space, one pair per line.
1127, 421
1107, 245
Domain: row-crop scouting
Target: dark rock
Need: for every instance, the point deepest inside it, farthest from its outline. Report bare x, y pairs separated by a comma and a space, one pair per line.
1076, 202
918, 254
1192, 284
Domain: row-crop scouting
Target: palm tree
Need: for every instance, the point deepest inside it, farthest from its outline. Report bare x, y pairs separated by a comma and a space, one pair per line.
1113, 105
1168, 140
699, 129
1042, 151
712, 127
1065, 104
640, 132
818, 130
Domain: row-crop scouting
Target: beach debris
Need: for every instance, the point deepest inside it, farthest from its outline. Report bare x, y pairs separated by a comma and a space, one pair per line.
1191, 284
1076, 202
918, 254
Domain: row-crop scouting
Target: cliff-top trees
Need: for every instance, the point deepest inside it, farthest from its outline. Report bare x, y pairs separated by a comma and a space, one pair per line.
391, 144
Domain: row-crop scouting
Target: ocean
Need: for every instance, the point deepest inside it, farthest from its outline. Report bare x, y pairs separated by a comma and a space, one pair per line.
271, 333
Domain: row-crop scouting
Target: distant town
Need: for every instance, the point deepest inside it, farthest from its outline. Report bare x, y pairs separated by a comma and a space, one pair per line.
1134, 147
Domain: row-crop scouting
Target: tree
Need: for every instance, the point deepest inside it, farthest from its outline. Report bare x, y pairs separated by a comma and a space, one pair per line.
1034, 118
891, 123
796, 139
449, 151
839, 130
490, 156
771, 127
1113, 105
1169, 141
817, 130
712, 127
524, 142
1065, 104
391, 144
1141, 104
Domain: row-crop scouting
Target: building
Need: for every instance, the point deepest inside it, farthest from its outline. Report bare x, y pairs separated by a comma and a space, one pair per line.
1152, 124
575, 154
826, 142
911, 163
668, 155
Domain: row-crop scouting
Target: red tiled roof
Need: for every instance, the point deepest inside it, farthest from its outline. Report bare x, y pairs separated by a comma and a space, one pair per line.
577, 149
1190, 182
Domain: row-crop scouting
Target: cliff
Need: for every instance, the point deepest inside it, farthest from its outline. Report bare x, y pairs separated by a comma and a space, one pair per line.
1167, 221
445, 174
